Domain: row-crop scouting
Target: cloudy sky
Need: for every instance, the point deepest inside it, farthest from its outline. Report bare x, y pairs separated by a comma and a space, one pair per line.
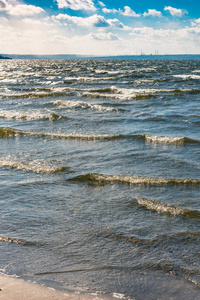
107, 27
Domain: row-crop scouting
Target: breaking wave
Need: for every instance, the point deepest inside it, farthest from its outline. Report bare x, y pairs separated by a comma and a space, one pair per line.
83, 105
11, 240
9, 132
95, 178
6, 132
48, 92
188, 76
18, 241
86, 79
166, 208
113, 92
121, 93
34, 166
29, 116
162, 208
168, 140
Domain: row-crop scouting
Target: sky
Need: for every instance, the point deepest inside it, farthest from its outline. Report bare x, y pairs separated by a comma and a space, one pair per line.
93, 27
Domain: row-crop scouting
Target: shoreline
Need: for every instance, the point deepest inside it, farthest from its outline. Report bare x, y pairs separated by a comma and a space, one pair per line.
12, 288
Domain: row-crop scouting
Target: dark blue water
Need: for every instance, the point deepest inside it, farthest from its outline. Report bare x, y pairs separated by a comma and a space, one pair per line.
100, 175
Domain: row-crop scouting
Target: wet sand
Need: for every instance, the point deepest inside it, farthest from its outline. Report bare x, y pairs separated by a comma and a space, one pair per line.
17, 289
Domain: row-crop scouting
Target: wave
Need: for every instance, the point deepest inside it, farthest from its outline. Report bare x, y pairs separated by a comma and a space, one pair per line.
86, 79
163, 208
29, 116
44, 93
121, 93
83, 105
166, 208
169, 140
113, 92
129, 94
10, 132
112, 72
16, 241
95, 178
6, 132
34, 166
188, 76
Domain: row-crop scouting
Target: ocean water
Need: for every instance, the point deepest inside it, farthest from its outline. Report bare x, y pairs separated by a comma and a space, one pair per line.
100, 175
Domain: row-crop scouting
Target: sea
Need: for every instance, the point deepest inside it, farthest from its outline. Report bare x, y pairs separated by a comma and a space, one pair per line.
100, 175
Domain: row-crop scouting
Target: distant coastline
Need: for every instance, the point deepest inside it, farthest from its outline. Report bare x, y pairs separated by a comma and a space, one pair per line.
4, 57
74, 56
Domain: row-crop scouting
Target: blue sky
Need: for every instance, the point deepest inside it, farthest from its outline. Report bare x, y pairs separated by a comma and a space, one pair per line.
94, 27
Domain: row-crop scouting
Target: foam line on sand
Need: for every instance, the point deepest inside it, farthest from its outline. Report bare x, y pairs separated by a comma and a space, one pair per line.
12, 288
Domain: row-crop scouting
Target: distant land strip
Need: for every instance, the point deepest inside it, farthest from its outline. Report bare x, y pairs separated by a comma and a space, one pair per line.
4, 57
123, 57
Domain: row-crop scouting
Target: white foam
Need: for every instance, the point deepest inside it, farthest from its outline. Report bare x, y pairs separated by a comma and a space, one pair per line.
161, 208
36, 166
10, 240
164, 139
123, 93
112, 72
34, 115
131, 179
188, 76
119, 296
87, 79
82, 104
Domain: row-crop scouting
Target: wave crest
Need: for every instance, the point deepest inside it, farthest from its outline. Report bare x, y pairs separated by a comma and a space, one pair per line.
167, 209
34, 166
83, 105
187, 76
95, 178
168, 140
9, 132
162, 208
11, 240
28, 116
121, 93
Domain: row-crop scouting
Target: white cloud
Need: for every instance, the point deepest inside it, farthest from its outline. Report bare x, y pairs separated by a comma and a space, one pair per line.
129, 12
93, 21
18, 9
108, 11
101, 4
195, 22
115, 23
105, 36
25, 10
175, 12
77, 4
153, 13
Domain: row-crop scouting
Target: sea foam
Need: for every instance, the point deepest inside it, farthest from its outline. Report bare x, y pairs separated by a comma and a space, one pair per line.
83, 105
159, 207
96, 178
33, 115
36, 166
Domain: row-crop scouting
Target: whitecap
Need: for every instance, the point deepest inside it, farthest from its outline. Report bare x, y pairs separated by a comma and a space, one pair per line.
36, 166
164, 139
159, 207
82, 104
188, 76
33, 115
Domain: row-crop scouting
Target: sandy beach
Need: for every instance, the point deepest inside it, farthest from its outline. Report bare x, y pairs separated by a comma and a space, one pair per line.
17, 289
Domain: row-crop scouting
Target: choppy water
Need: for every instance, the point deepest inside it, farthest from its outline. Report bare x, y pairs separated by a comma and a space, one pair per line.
100, 175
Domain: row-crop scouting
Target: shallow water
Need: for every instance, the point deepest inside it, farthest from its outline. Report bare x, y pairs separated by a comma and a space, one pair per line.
99, 175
